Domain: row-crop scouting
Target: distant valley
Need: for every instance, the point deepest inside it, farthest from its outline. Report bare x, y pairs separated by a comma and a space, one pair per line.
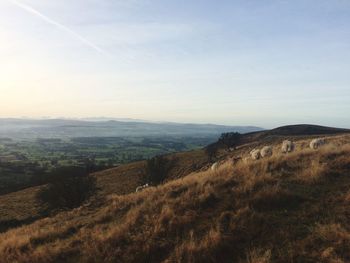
65, 128
30, 149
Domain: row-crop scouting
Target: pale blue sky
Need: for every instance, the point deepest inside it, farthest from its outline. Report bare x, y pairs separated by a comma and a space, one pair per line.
265, 63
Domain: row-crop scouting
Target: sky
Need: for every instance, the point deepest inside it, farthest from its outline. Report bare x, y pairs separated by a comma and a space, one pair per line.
239, 62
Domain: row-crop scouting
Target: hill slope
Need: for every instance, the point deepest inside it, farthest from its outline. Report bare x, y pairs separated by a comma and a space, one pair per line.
288, 208
21, 207
299, 131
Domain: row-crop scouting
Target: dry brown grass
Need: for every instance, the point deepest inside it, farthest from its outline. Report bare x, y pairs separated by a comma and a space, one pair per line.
347, 197
313, 173
19, 208
287, 208
332, 242
259, 256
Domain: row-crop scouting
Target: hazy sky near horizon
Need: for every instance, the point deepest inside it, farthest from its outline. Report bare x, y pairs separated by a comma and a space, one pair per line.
240, 62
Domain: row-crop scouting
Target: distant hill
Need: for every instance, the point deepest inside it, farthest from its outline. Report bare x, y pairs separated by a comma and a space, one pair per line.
301, 130
304, 129
62, 128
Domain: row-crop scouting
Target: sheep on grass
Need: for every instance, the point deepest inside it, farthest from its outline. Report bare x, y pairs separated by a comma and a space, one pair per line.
317, 143
255, 154
141, 187
215, 166
266, 152
288, 146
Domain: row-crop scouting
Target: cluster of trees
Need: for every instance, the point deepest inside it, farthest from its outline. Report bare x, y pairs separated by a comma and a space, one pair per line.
226, 141
230, 140
67, 188
158, 169
15, 176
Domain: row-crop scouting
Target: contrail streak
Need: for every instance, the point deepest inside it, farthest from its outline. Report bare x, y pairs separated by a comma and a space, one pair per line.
56, 24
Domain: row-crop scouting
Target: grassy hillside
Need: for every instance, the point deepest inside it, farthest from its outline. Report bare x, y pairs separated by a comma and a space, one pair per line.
21, 207
287, 208
290, 131
125, 178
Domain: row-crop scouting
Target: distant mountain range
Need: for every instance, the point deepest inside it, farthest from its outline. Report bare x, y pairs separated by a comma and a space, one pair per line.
68, 128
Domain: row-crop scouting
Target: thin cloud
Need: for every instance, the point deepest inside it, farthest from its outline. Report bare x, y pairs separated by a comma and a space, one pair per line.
56, 24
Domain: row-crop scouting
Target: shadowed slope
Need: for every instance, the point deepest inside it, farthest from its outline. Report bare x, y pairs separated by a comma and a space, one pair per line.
19, 208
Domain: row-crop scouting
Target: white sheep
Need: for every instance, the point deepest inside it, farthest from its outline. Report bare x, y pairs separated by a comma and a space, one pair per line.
215, 166
266, 151
255, 154
317, 143
288, 146
141, 187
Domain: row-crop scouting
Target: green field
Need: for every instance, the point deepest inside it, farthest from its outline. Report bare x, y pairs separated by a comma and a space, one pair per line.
25, 163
